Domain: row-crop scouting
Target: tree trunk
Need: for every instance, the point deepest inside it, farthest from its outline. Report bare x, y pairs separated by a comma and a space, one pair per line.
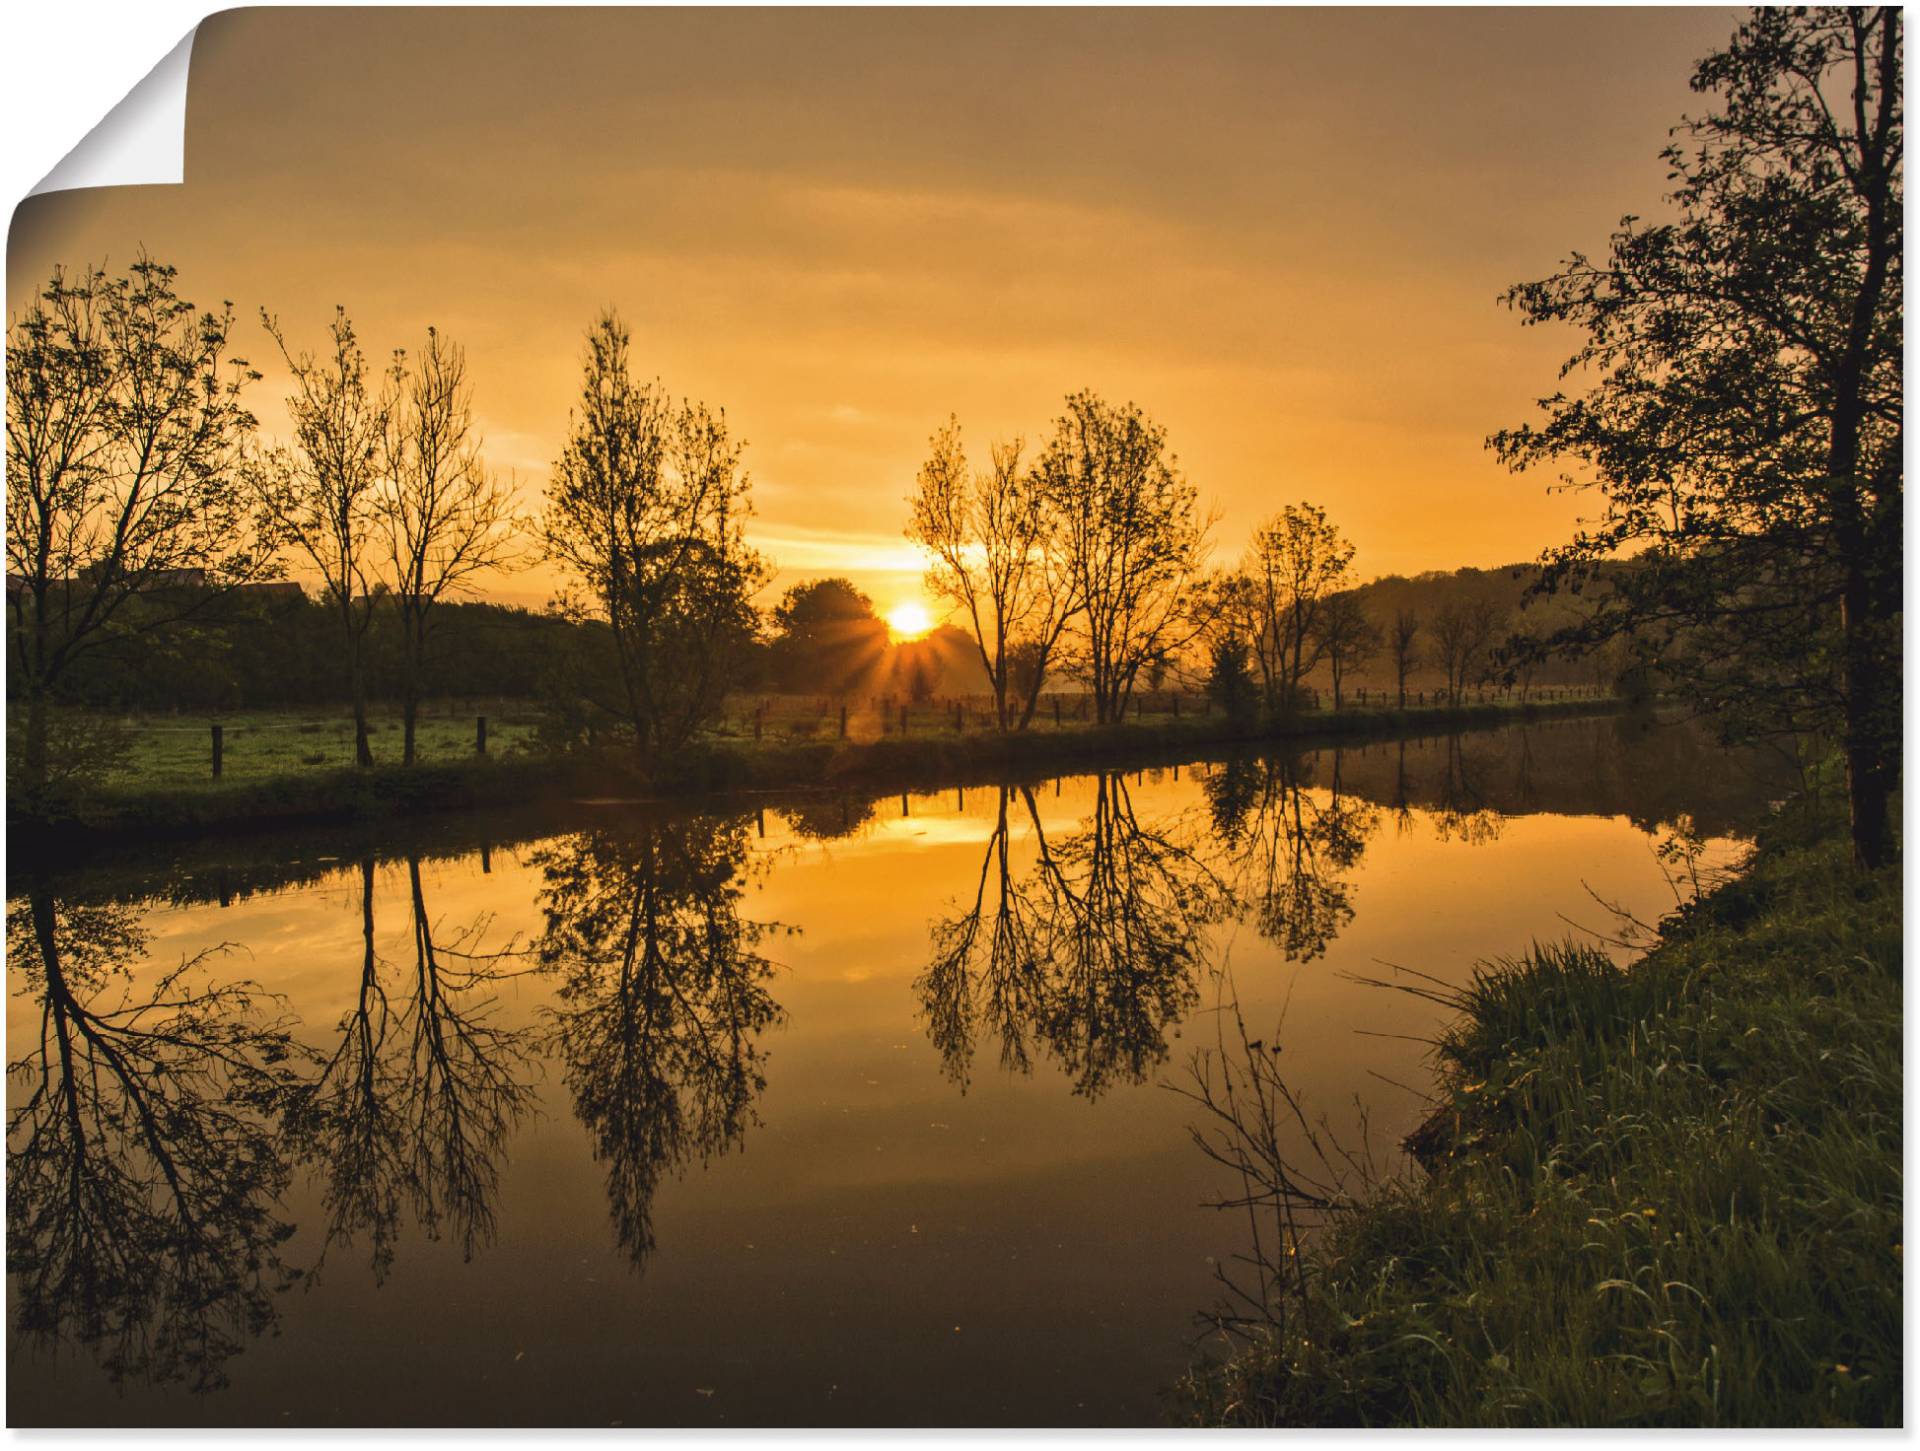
1872, 726
410, 692
362, 745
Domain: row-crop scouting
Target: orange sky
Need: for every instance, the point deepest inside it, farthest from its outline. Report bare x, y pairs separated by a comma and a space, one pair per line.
1281, 232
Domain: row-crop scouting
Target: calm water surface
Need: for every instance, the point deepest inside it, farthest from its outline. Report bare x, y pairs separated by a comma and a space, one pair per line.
838, 1111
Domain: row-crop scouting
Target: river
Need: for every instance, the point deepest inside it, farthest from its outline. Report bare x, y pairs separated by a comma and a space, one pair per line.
825, 1110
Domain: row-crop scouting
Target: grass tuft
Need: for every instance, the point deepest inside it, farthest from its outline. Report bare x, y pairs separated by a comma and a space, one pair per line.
1667, 1195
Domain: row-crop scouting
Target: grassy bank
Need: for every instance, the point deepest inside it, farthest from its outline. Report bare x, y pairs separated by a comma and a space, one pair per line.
163, 804
1670, 1195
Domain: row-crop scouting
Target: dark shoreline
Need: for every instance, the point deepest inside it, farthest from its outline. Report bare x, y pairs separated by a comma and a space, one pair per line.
727, 773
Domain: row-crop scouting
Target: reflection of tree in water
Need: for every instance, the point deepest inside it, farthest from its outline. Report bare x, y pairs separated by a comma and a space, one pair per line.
1093, 952
1462, 813
412, 1109
1291, 853
662, 999
144, 1164
824, 817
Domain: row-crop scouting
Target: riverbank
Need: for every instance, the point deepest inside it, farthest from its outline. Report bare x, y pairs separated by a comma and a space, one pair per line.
1666, 1196
317, 797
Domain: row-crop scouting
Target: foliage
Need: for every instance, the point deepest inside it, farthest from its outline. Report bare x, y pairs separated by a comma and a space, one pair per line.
1131, 542
124, 513
1230, 682
1294, 565
645, 513
1744, 427
443, 517
993, 548
827, 639
319, 497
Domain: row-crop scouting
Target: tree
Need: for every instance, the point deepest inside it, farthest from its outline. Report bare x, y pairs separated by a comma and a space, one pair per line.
318, 497
1463, 632
1230, 682
828, 639
645, 512
124, 512
991, 544
443, 516
1346, 638
1132, 542
1295, 563
1403, 645
1744, 430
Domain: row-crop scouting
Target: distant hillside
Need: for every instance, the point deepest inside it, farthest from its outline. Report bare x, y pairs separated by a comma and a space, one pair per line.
1504, 587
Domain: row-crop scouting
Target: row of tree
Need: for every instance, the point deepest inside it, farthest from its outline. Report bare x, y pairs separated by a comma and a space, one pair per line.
139, 495
1744, 434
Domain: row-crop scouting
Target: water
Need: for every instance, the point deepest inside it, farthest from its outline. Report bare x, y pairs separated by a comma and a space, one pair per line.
834, 1111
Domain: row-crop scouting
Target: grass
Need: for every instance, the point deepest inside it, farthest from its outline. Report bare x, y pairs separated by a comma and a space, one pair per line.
290, 768
175, 752
1669, 1195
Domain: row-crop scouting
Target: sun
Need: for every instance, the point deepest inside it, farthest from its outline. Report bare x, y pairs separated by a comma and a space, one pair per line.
909, 621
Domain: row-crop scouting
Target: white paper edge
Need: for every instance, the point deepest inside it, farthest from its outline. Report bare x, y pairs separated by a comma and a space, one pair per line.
140, 142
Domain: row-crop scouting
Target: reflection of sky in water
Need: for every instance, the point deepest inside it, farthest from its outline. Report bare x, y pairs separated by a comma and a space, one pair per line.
875, 1244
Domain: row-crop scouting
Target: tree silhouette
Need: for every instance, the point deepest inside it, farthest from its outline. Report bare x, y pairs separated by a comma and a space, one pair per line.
319, 496
661, 1003
412, 1109
144, 1161
992, 542
125, 514
1296, 562
1745, 428
1131, 543
645, 514
442, 516
1289, 852
1093, 953
827, 638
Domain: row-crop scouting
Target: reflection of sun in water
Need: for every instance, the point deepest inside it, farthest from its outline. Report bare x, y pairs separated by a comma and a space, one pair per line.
909, 621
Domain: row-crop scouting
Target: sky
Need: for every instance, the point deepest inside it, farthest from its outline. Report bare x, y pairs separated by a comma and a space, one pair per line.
1283, 233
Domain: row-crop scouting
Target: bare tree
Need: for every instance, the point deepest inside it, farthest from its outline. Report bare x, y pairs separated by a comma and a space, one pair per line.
1403, 644
1346, 638
1132, 544
124, 514
1463, 631
992, 550
442, 516
1295, 563
319, 497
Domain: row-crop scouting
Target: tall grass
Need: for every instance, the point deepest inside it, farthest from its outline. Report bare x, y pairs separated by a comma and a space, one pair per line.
1669, 1195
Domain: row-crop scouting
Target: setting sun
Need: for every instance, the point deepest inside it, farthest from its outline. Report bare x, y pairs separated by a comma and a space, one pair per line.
909, 621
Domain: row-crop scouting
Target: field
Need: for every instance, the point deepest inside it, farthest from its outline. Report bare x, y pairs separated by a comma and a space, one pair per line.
170, 752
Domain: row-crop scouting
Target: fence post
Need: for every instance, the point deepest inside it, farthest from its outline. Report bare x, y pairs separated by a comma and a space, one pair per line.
1176, 705
1056, 710
959, 717
903, 720
843, 720
758, 711
480, 735
218, 749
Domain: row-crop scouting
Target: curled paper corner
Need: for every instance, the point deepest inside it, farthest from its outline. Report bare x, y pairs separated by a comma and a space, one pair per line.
140, 142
